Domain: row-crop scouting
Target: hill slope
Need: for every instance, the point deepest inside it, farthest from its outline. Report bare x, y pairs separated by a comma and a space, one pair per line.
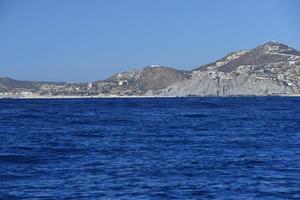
269, 69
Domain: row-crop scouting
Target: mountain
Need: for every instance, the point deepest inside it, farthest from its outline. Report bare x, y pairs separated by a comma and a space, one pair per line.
8, 84
269, 69
11, 84
148, 80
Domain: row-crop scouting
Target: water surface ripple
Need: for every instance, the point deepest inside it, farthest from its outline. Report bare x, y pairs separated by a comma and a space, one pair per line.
173, 148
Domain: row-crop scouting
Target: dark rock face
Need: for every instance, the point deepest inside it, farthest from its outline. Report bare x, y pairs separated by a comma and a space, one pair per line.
269, 69
157, 78
147, 80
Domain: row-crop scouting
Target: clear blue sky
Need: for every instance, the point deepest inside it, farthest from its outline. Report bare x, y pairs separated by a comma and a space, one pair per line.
72, 40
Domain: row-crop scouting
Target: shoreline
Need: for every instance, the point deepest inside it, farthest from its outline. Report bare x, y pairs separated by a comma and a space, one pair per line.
137, 97
82, 97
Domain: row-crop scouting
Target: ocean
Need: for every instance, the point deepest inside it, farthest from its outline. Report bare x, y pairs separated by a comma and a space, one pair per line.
150, 148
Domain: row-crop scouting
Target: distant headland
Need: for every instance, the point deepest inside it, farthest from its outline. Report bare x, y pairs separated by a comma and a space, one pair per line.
269, 69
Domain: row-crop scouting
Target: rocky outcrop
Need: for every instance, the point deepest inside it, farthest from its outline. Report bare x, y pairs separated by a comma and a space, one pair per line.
269, 69
148, 80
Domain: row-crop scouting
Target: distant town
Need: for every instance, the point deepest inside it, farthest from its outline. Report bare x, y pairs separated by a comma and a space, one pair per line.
269, 69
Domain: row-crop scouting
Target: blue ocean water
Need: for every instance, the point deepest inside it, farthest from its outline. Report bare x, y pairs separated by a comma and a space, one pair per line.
172, 148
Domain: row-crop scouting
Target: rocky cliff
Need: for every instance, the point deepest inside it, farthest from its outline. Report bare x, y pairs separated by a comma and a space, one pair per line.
269, 69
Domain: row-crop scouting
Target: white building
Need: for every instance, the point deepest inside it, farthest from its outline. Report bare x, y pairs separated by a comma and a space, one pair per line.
123, 82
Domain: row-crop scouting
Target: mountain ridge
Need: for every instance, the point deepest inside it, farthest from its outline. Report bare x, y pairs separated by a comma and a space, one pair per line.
272, 68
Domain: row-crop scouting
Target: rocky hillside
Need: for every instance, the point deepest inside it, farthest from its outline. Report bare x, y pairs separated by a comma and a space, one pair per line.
147, 81
269, 69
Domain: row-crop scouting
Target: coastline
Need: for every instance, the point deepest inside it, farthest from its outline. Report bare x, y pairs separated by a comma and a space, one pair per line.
134, 97
81, 97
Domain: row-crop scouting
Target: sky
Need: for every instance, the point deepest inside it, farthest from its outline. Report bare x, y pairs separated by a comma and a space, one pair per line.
88, 40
